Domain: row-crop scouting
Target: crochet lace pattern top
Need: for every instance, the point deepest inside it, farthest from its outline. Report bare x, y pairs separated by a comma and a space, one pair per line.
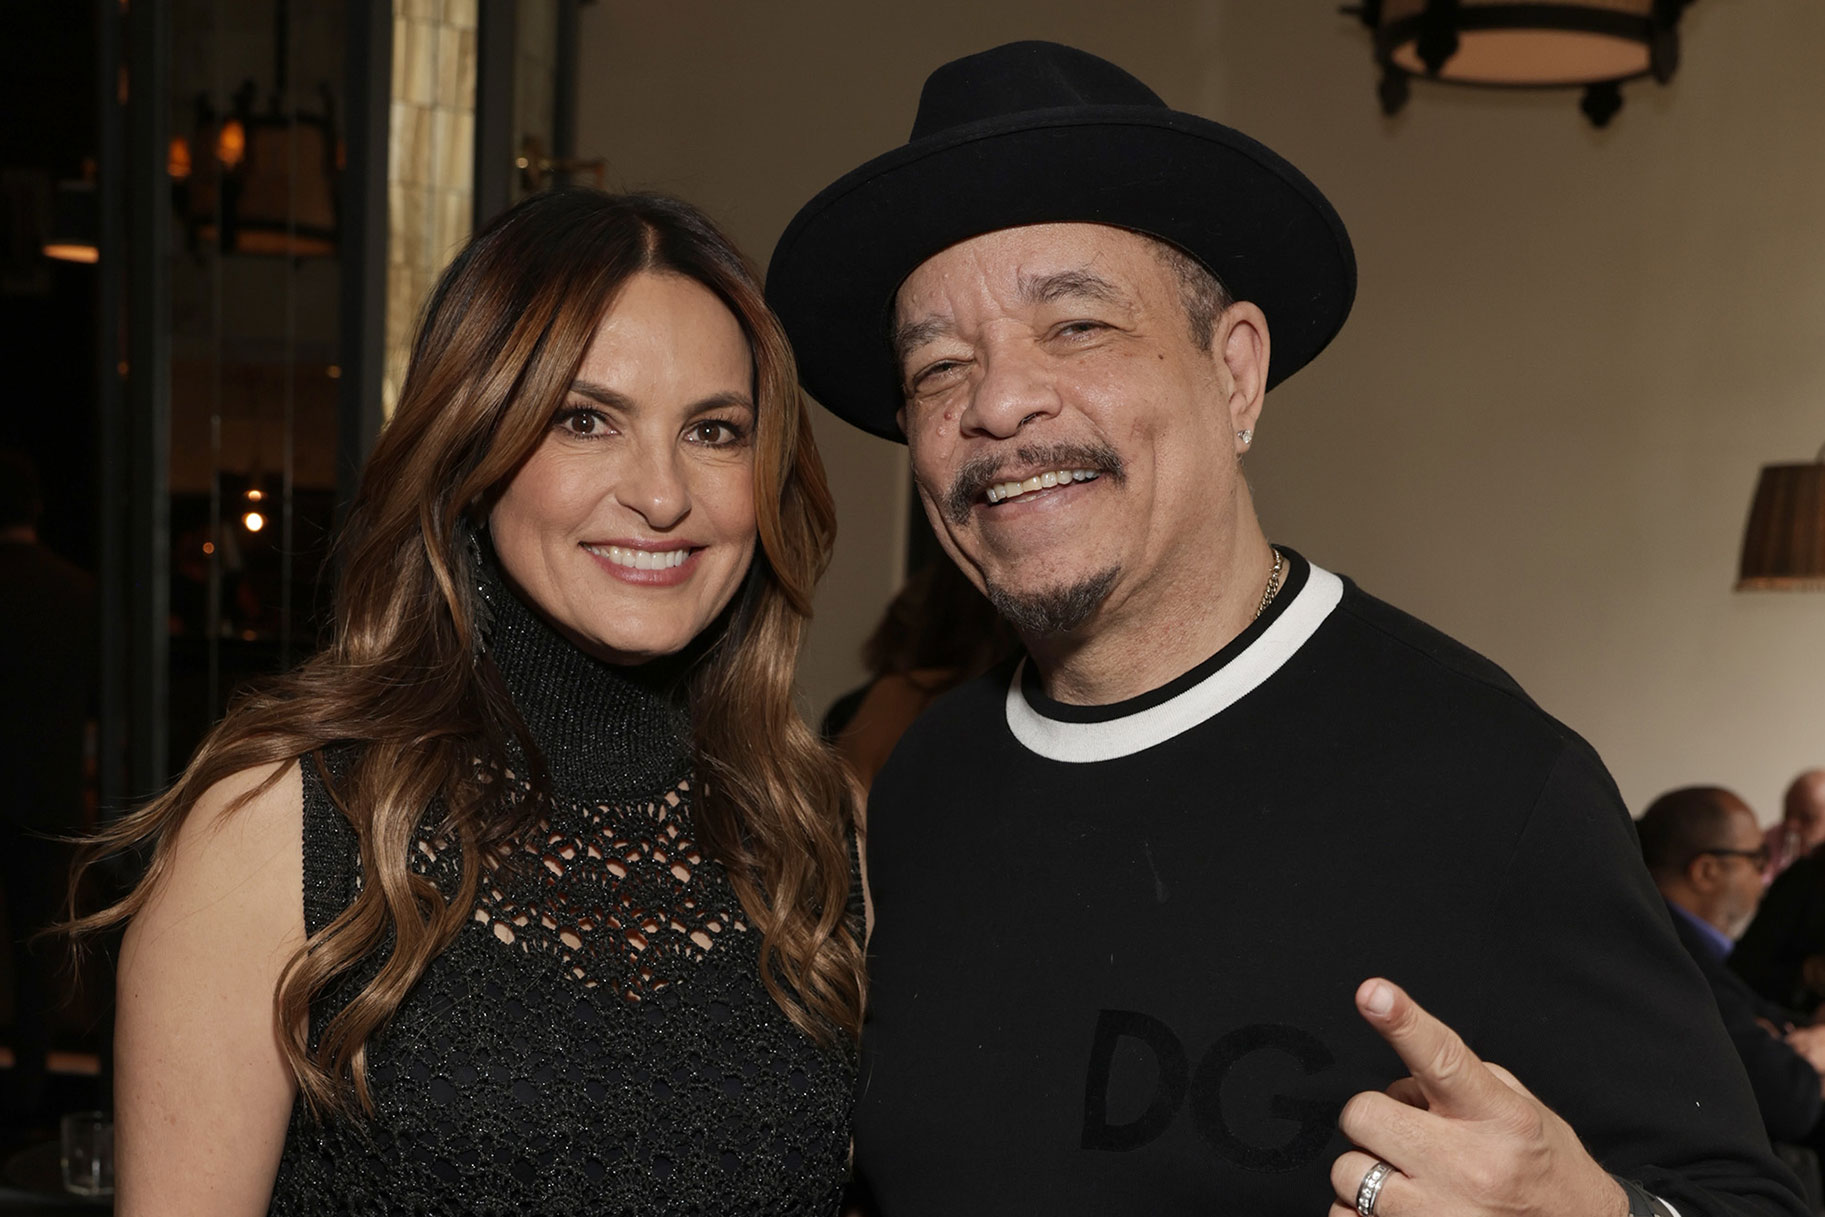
597, 1038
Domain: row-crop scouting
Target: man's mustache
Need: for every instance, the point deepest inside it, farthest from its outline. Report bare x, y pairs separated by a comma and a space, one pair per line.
981, 472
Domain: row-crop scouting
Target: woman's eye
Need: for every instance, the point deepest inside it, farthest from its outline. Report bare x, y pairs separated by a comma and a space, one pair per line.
716, 433
1073, 329
584, 423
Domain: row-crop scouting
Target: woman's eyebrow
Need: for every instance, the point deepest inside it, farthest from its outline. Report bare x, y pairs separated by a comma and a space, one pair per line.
615, 399
601, 393
718, 401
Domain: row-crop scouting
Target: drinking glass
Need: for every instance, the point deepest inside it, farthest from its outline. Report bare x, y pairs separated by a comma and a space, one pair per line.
88, 1153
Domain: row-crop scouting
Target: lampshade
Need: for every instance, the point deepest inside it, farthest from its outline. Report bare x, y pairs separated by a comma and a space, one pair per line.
1594, 44
1784, 545
273, 176
283, 199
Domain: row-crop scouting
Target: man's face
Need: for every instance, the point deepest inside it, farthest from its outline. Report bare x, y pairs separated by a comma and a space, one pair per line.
1806, 808
1062, 353
1739, 888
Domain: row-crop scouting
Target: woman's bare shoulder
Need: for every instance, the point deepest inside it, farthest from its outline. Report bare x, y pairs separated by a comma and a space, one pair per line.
239, 854
203, 1091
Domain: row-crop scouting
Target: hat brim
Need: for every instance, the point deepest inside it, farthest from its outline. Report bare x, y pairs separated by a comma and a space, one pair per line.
1232, 203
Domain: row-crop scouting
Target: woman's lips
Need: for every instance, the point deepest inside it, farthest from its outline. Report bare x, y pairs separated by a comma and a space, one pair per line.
645, 565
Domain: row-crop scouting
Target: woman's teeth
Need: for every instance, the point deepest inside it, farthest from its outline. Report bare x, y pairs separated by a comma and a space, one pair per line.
1002, 491
641, 559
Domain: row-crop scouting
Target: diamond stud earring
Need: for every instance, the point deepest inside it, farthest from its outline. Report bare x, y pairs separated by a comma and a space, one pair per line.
1247, 437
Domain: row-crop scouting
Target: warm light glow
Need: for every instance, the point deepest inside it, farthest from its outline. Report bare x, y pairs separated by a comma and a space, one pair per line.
253, 521
69, 251
255, 494
209, 547
231, 144
1534, 57
177, 159
334, 371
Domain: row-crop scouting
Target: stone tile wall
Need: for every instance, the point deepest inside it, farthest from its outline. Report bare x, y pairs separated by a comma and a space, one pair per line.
430, 162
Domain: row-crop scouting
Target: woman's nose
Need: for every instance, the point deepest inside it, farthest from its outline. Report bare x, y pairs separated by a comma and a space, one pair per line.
656, 488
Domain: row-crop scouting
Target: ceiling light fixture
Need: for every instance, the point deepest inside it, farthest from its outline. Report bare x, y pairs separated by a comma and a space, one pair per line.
1595, 45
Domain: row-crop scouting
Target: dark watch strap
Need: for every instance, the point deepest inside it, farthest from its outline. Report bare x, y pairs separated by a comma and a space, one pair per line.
1643, 1203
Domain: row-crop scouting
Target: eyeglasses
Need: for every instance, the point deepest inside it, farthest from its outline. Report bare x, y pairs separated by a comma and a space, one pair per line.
1757, 856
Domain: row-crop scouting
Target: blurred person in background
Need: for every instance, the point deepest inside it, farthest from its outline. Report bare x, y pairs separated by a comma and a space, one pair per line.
1704, 848
47, 681
1802, 826
938, 632
1782, 953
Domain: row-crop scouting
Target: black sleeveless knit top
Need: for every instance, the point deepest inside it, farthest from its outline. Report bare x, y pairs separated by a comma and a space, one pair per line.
597, 1039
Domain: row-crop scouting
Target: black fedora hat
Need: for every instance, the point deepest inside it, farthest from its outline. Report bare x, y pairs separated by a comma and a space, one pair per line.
1037, 133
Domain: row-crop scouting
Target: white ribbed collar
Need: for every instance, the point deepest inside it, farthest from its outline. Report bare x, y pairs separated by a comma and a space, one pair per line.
1118, 737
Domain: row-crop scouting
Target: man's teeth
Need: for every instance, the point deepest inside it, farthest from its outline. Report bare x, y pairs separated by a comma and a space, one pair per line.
641, 559
1002, 491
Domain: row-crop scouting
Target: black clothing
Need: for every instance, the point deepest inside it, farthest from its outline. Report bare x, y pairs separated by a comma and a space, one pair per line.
47, 686
1789, 926
35, 878
597, 1040
1786, 1085
47, 694
1115, 947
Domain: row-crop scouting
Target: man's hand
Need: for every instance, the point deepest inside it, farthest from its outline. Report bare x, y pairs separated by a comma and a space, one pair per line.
1809, 1042
1464, 1137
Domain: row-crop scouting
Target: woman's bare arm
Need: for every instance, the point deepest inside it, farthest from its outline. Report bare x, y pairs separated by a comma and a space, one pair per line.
202, 1092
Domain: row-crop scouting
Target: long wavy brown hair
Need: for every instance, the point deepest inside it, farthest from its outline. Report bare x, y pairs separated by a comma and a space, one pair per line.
498, 346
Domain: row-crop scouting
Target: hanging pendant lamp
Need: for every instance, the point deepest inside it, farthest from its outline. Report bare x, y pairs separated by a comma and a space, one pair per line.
1595, 45
279, 189
1784, 544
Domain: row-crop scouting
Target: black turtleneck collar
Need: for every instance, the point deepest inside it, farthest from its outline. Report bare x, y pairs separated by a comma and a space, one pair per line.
605, 732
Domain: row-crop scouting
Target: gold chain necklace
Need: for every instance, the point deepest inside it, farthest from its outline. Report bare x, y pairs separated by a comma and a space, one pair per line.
1273, 584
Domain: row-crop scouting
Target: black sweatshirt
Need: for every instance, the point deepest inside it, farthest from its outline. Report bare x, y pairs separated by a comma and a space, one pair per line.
1115, 947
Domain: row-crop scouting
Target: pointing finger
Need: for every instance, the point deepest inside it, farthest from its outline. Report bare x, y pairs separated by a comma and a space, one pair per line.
1450, 1076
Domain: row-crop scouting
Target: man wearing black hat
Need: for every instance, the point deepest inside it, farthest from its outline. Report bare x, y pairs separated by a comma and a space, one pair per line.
1136, 895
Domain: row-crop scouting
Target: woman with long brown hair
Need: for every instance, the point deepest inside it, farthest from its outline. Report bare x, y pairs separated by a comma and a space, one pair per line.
531, 892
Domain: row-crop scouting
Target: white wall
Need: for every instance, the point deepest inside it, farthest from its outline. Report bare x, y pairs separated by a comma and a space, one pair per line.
1570, 353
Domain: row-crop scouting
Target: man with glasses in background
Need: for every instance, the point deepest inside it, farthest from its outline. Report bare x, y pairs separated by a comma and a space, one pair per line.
1705, 850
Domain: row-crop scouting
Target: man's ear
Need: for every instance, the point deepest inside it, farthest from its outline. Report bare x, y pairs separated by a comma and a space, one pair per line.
1241, 342
1701, 872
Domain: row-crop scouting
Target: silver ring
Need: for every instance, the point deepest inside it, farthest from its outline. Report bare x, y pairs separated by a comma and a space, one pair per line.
1370, 1191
